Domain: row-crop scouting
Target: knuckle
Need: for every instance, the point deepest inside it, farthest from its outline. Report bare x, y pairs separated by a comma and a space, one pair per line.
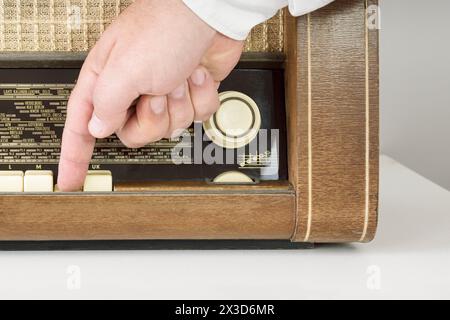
205, 112
182, 120
185, 124
130, 142
202, 114
143, 138
159, 133
133, 144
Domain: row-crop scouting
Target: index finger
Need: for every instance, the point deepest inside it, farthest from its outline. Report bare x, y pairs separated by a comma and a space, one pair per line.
77, 143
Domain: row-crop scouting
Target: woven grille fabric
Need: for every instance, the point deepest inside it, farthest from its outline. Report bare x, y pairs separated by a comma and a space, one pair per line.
75, 25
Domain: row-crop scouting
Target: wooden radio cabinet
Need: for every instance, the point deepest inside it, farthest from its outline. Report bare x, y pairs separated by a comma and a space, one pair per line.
330, 194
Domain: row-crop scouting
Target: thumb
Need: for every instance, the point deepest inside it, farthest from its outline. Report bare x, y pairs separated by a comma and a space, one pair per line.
222, 57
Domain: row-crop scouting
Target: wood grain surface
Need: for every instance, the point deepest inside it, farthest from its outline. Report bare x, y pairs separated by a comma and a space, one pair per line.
239, 214
333, 123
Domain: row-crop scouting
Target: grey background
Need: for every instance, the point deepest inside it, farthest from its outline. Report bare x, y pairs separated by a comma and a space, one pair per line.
415, 85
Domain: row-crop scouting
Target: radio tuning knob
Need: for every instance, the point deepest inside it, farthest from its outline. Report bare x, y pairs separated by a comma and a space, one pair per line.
236, 123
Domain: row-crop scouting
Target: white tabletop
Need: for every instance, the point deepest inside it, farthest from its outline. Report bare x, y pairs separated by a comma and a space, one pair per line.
409, 259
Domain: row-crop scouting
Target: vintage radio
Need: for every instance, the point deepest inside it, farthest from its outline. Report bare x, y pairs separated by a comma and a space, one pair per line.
290, 156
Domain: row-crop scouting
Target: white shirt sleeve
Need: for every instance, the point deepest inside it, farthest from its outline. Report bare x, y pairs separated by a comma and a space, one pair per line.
235, 18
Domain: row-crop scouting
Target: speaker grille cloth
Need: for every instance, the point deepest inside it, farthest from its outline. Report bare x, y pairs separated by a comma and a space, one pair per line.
75, 25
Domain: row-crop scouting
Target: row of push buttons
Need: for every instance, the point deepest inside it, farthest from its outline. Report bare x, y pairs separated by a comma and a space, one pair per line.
42, 181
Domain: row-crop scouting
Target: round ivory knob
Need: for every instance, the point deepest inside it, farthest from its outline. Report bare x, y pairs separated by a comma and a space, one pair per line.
236, 123
232, 177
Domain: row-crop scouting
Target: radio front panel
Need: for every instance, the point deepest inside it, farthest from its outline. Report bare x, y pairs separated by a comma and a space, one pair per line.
33, 105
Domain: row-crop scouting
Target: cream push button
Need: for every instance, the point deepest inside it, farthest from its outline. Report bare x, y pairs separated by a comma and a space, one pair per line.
233, 177
98, 181
236, 123
11, 181
38, 181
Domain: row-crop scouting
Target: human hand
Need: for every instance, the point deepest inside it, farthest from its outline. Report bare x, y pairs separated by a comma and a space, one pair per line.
158, 54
